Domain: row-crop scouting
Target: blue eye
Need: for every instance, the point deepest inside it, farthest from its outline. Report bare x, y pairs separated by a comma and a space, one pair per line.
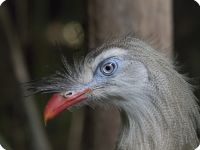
109, 68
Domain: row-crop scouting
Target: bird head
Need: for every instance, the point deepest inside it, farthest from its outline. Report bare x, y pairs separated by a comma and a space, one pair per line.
106, 76
124, 73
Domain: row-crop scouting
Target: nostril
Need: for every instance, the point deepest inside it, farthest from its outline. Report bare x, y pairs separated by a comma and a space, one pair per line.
68, 93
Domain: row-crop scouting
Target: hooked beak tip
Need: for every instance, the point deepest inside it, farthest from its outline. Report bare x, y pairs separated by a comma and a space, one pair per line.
47, 117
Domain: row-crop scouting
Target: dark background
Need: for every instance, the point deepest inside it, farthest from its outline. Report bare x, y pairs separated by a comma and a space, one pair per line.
43, 30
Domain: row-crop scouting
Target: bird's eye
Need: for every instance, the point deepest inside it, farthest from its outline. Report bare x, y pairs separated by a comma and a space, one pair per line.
108, 68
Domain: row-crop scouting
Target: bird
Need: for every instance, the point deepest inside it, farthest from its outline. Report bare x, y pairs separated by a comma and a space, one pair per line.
156, 103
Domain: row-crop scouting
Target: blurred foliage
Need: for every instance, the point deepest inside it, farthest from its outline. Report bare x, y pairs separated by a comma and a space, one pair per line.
48, 28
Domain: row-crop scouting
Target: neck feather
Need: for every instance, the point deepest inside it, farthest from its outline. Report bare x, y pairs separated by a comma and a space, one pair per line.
167, 121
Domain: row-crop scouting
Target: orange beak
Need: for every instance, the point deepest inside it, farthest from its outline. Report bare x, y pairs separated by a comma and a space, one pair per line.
57, 103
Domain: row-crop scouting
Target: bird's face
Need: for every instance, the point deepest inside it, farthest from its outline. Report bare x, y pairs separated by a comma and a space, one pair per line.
108, 78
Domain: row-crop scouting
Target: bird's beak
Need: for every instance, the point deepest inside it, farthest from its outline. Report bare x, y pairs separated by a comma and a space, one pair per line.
57, 103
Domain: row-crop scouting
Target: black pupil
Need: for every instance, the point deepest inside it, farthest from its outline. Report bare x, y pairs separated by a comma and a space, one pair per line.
108, 68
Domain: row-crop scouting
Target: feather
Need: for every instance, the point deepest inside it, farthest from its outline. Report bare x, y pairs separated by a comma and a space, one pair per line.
158, 108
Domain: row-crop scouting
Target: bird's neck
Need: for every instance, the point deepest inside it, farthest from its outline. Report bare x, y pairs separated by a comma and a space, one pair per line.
151, 129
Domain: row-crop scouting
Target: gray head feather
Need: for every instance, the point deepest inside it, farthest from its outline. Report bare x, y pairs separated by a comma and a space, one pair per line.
158, 108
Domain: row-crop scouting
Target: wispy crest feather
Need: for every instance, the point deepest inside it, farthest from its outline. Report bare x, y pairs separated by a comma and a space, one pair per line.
60, 81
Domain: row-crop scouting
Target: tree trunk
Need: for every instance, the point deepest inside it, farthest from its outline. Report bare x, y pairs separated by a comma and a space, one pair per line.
146, 18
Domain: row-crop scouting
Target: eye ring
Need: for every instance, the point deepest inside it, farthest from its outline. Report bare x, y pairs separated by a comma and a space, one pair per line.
108, 68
